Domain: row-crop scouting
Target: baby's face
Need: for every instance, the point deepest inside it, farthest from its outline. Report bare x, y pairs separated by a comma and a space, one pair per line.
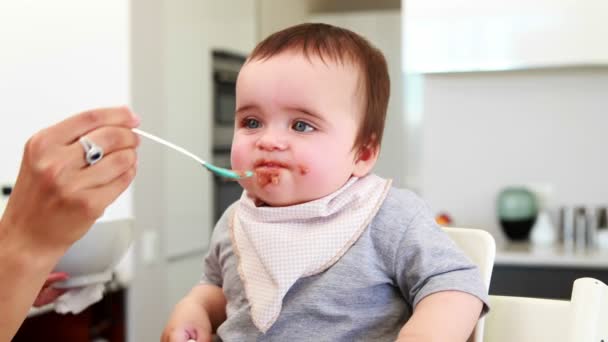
296, 122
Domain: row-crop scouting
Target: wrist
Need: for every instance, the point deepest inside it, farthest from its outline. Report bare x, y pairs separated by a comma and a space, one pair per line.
23, 252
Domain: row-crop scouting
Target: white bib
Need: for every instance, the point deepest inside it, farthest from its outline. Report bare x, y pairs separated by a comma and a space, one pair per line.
278, 245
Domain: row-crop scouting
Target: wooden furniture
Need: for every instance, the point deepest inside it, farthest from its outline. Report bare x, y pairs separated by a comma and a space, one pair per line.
103, 321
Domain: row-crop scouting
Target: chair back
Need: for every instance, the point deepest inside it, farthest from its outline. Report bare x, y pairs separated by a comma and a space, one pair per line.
582, 319
589, 310
480, 247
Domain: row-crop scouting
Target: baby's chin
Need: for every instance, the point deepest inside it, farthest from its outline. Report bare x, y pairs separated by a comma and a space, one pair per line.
280, 197
272, 198
275, 197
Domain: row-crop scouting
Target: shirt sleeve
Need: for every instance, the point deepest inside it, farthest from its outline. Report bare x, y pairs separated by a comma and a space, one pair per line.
212, 268
428, 261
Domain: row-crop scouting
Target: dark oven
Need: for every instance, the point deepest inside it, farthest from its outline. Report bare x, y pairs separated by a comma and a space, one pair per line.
226, 66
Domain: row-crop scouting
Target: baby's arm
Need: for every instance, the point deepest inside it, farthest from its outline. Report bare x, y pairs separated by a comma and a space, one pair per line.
197, 315
442, 316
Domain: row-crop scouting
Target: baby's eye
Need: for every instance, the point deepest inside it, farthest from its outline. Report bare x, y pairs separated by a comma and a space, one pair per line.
251, 123
301, 126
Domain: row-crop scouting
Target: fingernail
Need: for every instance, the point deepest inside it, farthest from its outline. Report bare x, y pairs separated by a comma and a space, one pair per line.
136, 119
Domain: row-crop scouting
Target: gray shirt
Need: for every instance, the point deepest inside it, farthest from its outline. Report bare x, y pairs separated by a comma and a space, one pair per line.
368, 294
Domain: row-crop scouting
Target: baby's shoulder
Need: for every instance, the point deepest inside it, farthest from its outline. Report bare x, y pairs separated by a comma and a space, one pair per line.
399, 208
221, 230
402, 215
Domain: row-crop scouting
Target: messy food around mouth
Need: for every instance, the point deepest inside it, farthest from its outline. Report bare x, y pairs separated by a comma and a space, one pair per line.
267, 176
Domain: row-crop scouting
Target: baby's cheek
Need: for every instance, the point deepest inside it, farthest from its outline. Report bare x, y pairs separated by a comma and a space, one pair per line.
311, 170
319, 161
238, 158
326, 171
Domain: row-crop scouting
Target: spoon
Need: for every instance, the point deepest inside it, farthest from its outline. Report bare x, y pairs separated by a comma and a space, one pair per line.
226, 173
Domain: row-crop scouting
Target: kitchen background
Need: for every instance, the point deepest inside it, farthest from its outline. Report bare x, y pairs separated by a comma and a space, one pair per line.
484, 95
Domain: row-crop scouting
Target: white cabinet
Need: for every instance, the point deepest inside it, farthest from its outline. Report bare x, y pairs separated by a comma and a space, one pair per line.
171, 47
479, 35
192, 30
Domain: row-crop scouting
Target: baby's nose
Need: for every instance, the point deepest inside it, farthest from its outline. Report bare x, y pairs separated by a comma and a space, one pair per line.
272, 141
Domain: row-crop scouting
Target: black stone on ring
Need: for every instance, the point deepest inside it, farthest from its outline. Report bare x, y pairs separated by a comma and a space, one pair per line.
93, 152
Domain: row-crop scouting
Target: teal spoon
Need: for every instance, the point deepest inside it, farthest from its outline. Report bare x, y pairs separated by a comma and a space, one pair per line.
220, 171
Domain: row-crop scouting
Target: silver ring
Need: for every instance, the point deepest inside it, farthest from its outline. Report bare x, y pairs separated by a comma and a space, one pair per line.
92, 152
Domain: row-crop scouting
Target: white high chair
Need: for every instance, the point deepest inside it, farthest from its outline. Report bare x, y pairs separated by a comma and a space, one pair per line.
582, 319
480, 247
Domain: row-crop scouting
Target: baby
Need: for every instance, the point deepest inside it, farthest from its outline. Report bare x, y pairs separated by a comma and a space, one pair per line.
318, 248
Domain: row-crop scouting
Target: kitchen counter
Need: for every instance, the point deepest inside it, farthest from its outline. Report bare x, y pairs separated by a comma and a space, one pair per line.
525, 254
523, 269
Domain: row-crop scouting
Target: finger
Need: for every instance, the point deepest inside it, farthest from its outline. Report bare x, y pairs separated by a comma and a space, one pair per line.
105, 171
110, 139
48, 295
72, 128
108, 192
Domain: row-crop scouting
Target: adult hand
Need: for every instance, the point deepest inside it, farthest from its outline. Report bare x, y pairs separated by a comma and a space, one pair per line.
57, 195
56, 199
48, 293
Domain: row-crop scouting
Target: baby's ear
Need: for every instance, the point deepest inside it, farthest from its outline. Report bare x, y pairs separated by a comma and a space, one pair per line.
366, 159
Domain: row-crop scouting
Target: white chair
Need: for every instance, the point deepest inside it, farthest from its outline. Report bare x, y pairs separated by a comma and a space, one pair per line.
480, 247
582, 319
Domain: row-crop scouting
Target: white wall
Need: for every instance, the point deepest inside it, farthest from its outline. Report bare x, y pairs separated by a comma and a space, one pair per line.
483, 131
275, 15
56, 59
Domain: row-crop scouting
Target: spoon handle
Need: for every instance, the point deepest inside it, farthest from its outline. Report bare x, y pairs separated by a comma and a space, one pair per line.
168, 144
226, 173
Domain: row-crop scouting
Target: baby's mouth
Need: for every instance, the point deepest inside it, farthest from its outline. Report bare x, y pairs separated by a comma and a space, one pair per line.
268, 172
270, 164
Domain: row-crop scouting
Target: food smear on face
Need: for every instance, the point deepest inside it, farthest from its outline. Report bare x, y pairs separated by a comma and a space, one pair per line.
267, 176
269, 171
303, 170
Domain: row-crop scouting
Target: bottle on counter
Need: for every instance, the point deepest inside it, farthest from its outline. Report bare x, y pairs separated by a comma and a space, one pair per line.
543, 231
566, 227
581, 225
6, 191
601, 219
